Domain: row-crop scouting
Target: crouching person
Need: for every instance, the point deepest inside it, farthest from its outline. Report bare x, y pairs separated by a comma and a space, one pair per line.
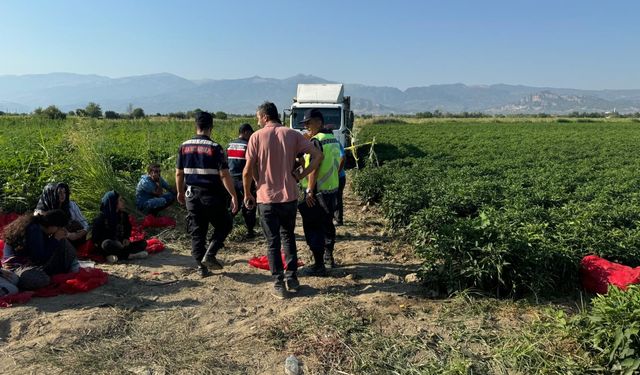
36, 248
112, 229
153, 193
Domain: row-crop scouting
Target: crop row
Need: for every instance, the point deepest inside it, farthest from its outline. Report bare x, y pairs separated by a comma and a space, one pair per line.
508, 208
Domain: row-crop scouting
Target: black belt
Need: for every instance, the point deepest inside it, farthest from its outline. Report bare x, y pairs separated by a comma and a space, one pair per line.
201, 189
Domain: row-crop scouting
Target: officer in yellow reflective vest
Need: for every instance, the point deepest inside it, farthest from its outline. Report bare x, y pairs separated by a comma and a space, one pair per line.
319, 203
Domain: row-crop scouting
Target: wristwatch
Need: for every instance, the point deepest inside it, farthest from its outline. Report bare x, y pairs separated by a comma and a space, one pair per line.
308, 191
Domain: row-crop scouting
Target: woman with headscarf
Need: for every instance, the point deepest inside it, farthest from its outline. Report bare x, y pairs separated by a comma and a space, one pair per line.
111, 231
57, 196
36, 248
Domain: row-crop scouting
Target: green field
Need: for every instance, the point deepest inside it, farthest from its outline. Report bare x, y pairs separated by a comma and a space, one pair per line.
92, 155
508, 207
501, 208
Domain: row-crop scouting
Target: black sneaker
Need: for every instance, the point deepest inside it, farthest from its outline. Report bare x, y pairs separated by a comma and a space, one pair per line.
211, 262
279, 291
251, 235
314, 271
203, 271
293, 285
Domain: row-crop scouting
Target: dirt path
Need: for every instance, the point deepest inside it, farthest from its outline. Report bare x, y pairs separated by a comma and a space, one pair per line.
213, 325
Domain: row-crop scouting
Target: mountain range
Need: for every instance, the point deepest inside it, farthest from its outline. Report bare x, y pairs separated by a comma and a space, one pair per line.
164, 93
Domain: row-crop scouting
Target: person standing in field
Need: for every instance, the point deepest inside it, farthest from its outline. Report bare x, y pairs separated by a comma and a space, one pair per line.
202, 176
150, 191
236, 152
271, 156
320, 189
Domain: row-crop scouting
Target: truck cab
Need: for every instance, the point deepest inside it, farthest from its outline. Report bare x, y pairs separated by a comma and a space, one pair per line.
334, 106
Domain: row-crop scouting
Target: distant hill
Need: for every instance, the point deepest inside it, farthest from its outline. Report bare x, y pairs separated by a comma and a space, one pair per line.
166, 92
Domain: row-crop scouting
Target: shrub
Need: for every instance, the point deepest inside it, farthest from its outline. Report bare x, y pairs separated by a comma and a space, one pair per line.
111, 115
612, 329
138, 113
93, 110
51, 112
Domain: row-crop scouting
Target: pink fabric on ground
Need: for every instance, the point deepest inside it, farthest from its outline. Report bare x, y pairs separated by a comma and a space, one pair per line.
598, 273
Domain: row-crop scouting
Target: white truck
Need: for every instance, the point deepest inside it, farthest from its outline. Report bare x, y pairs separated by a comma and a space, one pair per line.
330, 100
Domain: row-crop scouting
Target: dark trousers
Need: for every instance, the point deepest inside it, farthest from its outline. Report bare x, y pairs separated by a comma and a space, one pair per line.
36, 277
317, 222
114, 247
206, 208
248, 215
278, 221
339, 213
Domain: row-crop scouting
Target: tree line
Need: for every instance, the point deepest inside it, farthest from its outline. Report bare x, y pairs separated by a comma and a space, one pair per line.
93, 110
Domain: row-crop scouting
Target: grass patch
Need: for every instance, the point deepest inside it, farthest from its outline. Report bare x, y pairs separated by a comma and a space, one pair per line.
130, 342
461, 335
93, 175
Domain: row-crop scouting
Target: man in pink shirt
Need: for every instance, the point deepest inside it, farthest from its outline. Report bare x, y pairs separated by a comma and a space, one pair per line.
271, 156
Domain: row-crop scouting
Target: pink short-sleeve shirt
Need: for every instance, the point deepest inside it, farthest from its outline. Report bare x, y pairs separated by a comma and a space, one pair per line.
274, 149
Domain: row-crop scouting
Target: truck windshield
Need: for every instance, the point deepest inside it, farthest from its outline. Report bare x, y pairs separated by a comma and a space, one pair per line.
332, 117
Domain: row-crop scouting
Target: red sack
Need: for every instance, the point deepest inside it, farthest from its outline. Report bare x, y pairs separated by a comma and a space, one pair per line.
598, 273
65, 283
84, 250
22, 297
137, 235
70, 283
154, 245
1, 249
151, 221
87, 250
85, 280
263, 262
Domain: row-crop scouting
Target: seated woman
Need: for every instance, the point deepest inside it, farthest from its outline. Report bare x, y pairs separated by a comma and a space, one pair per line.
36, 247
111, 231
57, 196
150, 192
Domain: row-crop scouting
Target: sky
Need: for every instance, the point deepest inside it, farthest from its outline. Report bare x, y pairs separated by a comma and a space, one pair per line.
562, 43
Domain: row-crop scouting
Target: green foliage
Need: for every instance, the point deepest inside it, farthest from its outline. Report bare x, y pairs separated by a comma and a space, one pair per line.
111, 115
51, 112
192, 114
93, 110
93, 157
137, 113
612, 329
220, 115
508, 208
